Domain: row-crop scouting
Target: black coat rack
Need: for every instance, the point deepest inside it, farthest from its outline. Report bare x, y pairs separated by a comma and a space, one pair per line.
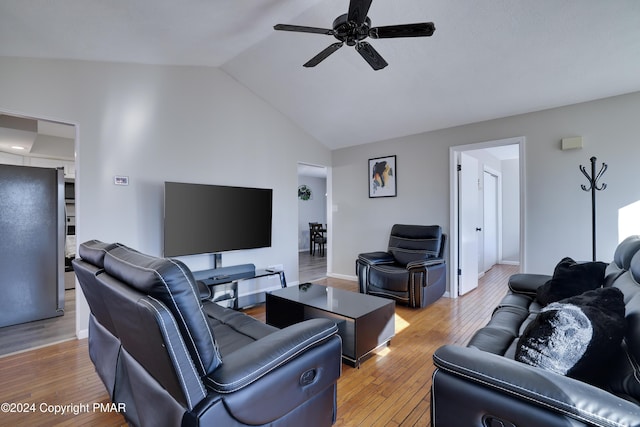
593, 187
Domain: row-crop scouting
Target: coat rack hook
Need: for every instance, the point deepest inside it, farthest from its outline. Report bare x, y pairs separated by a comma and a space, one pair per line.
593, 187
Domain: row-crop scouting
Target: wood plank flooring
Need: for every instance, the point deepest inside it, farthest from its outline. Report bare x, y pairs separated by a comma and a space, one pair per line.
392, 388
311, 267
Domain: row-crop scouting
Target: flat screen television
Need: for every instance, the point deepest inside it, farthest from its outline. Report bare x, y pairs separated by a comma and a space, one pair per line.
201, 218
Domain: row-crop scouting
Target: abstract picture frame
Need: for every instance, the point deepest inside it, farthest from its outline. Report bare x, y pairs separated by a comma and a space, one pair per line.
382, 177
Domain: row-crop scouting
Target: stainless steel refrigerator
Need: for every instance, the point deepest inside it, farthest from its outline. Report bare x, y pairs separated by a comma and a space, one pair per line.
32, 236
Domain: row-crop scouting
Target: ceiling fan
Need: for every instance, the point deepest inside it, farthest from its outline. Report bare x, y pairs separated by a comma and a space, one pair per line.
353, 27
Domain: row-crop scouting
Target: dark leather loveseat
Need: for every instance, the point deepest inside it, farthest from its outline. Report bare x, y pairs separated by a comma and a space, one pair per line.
176, 359
484, 384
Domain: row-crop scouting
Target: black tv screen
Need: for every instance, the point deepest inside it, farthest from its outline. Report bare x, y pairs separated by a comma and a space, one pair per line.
200, 218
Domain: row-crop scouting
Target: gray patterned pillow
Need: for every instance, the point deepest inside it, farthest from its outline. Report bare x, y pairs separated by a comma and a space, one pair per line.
576, 336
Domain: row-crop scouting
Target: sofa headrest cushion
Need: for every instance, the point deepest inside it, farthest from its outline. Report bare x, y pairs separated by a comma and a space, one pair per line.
93, 251
409, 243
571, 278
634, 267
625, 251
171, 282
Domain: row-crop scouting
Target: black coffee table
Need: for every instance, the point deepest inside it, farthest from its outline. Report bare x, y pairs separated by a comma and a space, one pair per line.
364, 322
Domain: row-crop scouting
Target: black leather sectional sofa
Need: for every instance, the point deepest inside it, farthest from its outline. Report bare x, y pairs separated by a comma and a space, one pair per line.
484, 384
176, 359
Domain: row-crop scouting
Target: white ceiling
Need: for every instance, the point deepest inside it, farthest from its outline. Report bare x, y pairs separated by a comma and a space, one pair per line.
312, 170
487, 59
41, 138
505, 152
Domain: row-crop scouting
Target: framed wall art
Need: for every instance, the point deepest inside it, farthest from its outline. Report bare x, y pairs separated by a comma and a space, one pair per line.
383, 177
304, 192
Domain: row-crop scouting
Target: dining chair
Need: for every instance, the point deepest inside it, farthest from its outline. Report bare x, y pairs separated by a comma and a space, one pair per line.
317, 237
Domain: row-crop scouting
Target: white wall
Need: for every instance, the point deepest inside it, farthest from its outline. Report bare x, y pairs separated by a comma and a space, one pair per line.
557, 211
313, 210
156, 123
510, 210
11, 159
361, 224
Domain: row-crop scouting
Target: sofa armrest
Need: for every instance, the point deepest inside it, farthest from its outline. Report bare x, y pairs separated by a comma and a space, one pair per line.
534, 386
376, 258
271, 377
424, 263
260, 357
527, 283
203, 290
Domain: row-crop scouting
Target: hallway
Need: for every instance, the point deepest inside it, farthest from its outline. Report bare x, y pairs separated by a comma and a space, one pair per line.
311, 267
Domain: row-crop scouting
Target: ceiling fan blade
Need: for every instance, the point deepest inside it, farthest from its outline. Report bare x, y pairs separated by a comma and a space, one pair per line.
303, 29
323, 55
423, 29
358, 10
370, 55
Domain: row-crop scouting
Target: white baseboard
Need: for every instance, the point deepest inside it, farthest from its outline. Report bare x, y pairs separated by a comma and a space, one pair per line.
82, 333
343, 277
509, 262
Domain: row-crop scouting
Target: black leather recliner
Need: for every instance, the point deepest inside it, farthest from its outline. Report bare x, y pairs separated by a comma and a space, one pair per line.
412, 271
175, 359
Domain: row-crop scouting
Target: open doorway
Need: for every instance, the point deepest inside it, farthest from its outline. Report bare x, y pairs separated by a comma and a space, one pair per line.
312, 208
487, 214
31, 143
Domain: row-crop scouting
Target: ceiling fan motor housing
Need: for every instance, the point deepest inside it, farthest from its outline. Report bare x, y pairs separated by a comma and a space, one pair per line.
350, 32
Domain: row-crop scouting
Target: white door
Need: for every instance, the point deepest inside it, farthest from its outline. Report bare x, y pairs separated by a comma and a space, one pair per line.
490, 226
469, 224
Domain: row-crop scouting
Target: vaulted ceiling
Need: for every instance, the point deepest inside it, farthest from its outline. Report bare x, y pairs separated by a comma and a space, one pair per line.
487, 59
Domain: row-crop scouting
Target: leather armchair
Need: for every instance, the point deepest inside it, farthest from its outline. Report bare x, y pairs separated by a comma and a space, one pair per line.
412, 271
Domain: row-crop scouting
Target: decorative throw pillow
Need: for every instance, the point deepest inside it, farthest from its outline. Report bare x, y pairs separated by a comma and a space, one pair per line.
571, 278
576, 336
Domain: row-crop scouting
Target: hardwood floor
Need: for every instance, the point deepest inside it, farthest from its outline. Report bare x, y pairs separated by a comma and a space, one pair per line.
392, 388
311, 267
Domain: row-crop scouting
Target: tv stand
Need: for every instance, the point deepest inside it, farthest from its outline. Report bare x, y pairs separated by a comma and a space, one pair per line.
240, 286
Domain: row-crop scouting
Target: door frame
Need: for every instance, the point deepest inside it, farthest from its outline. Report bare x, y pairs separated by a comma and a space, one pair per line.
82, 308
329, 212
453, 203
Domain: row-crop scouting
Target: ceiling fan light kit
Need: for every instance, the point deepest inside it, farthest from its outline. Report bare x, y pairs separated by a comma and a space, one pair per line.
353, 27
